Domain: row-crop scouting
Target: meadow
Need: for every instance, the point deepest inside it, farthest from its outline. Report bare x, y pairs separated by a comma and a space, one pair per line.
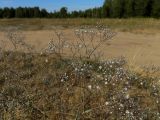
76, 69
120, 24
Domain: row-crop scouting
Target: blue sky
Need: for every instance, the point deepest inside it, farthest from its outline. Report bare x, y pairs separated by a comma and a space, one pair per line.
52, 5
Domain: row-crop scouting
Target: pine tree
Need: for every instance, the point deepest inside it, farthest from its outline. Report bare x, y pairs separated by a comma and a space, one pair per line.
1, 13
6, 12
36, 12
63, 12
156, 9
44, 13
141, 7
107, 8
129, 8
19, 12
118, 8
12, 13
149, 7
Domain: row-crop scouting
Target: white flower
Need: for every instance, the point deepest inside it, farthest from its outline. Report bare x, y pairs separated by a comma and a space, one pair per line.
90, 86
106, 103
157, 101
127, 96
46, 60
127, 112
125, 89
97, 87
100, 67
85, 31
121, 105
62, 80
82, 69
90, 66
76, 69
106, 83
80, 46
41, 53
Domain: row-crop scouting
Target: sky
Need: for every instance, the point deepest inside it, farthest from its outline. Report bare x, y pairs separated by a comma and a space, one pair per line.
52, 5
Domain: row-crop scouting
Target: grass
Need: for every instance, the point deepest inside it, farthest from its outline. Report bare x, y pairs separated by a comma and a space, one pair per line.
50, 86
32, 88
131, 24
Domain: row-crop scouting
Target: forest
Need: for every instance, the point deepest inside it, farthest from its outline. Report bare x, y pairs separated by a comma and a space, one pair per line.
110, 9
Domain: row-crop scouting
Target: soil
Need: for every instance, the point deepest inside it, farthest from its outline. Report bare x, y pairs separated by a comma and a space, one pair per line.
138, 48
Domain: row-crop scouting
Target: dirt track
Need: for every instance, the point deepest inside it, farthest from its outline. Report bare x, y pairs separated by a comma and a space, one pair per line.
140, 49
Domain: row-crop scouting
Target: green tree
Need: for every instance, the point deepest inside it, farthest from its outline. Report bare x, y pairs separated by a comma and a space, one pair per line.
26, 12
6, 12
97, 12
118, 8
19, 12
31, 12
12, 13
129, 8
141, 7
156, 9
44, 13
63, 12
36, 12
107, 8
1, 13
75, 14
149, 7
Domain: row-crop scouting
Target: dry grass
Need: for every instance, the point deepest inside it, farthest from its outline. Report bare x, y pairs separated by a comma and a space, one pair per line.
132, 24
49, 86
34, 86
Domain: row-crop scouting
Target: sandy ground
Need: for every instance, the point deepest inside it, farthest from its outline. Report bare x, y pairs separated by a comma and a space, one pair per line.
139, 49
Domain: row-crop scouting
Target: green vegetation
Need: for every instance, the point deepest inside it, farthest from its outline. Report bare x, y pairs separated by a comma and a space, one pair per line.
110, 9
131, 8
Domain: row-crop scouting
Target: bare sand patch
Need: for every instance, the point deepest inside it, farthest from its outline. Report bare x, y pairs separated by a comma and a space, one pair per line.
139, 49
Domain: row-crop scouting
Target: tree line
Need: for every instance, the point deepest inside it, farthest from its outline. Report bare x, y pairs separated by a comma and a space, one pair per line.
36, 12
110, 9
131, 8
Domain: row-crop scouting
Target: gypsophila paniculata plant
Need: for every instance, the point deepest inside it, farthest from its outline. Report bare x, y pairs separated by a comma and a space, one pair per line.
86, 45
17, 40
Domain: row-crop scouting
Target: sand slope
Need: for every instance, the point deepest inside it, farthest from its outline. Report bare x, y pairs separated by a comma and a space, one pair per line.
140, 49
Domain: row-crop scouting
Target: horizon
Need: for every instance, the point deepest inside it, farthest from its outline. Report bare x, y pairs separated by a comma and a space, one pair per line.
53, 5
